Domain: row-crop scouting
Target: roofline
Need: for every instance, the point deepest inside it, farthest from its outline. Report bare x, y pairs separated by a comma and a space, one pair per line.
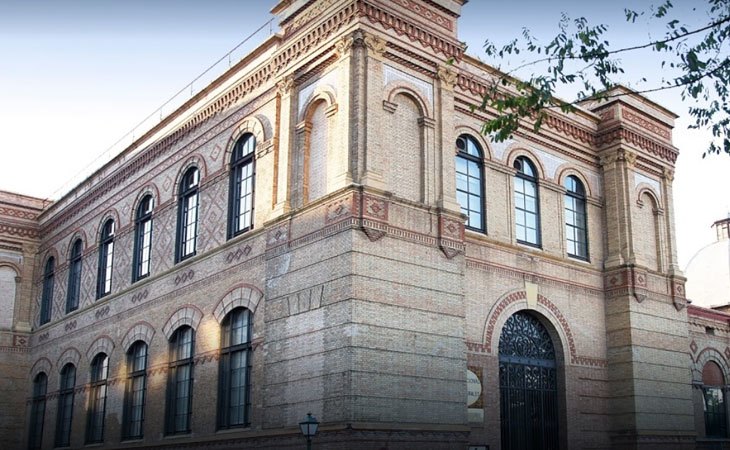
643, 97
225, 76
708, 313
489, 68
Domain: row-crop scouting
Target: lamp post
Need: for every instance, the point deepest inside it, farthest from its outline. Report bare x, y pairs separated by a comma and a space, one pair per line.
309, 428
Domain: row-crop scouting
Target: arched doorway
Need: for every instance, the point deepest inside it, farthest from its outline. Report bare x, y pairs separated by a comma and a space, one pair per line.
527, 385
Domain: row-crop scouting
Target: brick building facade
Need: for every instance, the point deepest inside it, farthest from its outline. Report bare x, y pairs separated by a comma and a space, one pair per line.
293, 240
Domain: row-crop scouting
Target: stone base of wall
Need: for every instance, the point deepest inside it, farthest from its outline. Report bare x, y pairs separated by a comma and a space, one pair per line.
656, 442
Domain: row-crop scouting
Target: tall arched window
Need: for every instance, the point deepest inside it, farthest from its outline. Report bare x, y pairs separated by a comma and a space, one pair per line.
142, 239
47, 295
37, 412
234, 396
470, 181
106, 258
134, 396
527, 203
713, 383
180, 381
187, 222
242, 185
65, 405
97, 399
74, 276
576, 224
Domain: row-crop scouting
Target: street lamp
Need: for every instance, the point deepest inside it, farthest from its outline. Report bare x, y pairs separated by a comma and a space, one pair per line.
309, 428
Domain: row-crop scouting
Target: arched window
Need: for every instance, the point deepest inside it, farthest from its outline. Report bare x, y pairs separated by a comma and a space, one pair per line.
234, 396
242, 186
136, 388
65, 405
97, 399
180, 381
527, 203
576, 224
187, 222
47, 295
37, 412
470, 181
106, 258
142, 239
74, 276
713, 383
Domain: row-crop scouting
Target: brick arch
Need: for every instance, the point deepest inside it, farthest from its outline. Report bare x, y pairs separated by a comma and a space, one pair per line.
51, 252
644, 188
12, 266
76, 235
149, 189
187, 315
517, 301
567, 170
102, 344
395, 88
70, 355
42, 365
250, 125
517, 151
194, 160
706, 355
113, 214
242, 295
475, 134
140, 331
324, 94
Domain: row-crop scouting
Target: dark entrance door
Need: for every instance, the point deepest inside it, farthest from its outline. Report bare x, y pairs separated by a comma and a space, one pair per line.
527, 385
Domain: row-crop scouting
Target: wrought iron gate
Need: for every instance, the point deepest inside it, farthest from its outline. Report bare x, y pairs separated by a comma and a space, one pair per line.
527, 385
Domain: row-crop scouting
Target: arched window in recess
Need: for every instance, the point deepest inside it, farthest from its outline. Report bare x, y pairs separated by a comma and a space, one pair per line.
65, 411
713, 383
234, 389
134, 396
37, 412
527, 203
142, 239
74, 276
576, 223
97, 399
240, 211
470, 181
180, 381
47, 295
187, 222
106, 259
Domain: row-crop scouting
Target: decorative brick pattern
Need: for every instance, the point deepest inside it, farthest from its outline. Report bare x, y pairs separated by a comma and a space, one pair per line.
70, 355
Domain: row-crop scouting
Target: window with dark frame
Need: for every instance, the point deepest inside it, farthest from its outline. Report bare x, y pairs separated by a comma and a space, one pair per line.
97, 399
37, 412
106, 259
74, 276
713, 398
136, 388
142, 239
576, 223
234, 386
242, 185
470, 181
527, 203
187, 223
64, 415
180, 381
47, 295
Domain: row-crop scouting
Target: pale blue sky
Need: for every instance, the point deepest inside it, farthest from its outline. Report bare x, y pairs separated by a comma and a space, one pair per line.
76, 75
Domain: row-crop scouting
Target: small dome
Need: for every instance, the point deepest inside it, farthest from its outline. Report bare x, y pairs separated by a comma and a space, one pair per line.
708, 272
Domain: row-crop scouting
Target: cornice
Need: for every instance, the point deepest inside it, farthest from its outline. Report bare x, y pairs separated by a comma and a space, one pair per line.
278, 63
